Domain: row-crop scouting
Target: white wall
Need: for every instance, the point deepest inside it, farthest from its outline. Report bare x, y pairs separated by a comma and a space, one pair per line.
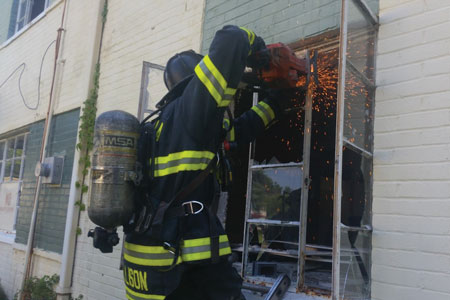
29, 48
71, 89
411, 210
135, 31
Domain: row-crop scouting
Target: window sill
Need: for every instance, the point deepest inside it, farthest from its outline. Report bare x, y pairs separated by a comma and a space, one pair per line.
7, 237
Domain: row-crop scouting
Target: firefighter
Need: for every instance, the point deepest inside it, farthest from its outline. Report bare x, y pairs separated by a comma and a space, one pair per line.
186, 257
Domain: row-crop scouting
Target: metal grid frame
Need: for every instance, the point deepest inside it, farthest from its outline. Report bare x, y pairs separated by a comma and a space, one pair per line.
301, 224
341, 141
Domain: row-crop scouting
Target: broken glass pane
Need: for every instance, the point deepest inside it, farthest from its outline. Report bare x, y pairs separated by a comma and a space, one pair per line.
358, 114
273, 250
10, 151
7, 175
276, 193
19, 146
2, 150
283, 141
16, 169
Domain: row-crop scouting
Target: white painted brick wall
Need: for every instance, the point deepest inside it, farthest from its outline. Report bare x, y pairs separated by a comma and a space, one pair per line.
140, 31
71, 90
144, 31
411, 208
29, 48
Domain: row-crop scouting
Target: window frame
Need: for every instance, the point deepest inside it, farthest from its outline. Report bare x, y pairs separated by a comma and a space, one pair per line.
12, 159
26, 18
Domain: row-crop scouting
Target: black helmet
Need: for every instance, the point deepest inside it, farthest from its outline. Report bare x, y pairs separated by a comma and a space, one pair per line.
179, 67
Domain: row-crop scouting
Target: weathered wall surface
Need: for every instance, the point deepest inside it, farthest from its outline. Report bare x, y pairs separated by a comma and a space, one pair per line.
411, 208
26, 62
135, 32
28, 53
283, 21
144, 31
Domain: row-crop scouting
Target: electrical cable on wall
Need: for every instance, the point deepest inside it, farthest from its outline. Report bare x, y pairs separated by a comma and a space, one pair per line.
23, 66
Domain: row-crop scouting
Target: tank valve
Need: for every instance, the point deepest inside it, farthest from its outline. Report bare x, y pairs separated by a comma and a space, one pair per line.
104, 240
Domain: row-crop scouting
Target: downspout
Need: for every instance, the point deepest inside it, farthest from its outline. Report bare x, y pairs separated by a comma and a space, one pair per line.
48, 119
64, 289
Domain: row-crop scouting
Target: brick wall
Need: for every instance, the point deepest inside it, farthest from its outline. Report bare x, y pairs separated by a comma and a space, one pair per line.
411, 208
276, 21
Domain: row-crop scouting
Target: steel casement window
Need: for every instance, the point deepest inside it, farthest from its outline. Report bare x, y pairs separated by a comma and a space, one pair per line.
12, 156
28, 10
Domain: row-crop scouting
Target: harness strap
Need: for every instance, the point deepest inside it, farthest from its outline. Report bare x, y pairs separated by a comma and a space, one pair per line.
214, 237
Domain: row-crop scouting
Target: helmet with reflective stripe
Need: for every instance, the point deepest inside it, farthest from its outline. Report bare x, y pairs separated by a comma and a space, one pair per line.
179, 67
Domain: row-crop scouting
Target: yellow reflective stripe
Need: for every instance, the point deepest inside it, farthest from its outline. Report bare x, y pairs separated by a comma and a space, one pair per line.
188, 160
265, 112
216, 73
188, 248
179, 168
261, 114
135, 295
158, 132
232, 135
150, 251
203, 241
214, 82
150, 262
230, 131
184, 154
204, 255
209, 86
268, 109
250, 34
230, 91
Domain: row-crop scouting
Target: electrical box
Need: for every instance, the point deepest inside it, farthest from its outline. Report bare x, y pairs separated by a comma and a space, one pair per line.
51, 170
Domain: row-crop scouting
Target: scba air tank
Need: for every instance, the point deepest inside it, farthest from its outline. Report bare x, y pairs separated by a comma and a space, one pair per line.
113, 168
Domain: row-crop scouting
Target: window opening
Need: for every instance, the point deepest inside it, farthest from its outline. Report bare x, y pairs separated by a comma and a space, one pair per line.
274, 230
152, 88
29, 10
354, 153
12, 158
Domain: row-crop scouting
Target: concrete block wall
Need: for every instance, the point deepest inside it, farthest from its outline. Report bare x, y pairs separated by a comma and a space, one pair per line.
135, 32
411, 207
276, 21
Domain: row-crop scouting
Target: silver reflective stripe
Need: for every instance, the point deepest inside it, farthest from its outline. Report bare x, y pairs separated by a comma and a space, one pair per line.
187, 160
148, 255
228, 97
213, 80
204, 248
266, 113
